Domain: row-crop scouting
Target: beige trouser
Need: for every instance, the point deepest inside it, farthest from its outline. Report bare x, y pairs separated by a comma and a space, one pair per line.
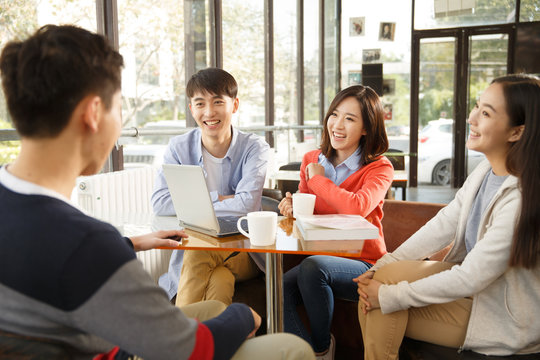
205, 276
441, 324
268, 347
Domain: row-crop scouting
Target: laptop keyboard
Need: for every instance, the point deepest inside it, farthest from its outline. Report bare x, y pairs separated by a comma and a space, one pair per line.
227, 224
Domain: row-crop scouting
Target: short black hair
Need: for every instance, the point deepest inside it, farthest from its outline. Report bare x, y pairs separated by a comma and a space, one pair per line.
214, 81
45, 76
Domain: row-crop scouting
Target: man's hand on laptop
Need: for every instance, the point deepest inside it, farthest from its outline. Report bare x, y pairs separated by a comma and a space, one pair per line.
156, 239
223, 197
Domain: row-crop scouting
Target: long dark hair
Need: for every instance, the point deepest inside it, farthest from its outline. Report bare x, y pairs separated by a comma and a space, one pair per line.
375, 142
522, 95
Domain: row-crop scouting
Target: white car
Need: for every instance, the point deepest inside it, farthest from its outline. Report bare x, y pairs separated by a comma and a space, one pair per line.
435, 153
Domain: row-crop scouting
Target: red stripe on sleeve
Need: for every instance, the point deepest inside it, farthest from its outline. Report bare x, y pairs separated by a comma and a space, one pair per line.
108, 356
204, 344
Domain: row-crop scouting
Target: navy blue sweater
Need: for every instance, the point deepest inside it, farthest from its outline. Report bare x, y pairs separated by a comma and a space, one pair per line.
72, 278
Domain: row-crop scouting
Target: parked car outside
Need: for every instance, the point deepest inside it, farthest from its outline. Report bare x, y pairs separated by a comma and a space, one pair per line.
435, 153
398, 130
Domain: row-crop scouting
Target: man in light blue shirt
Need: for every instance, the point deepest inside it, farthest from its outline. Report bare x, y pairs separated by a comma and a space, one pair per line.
234, 162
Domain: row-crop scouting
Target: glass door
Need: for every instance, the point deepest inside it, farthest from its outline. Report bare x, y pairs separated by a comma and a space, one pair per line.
436, 110
452, 72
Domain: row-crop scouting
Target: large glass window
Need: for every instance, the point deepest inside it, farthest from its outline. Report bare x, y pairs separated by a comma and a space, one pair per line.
311, 65
285, 65
285, 73
434, 14
529, 10
331, 53
153, 77
488, 60
80, 13
243, 56
21, 18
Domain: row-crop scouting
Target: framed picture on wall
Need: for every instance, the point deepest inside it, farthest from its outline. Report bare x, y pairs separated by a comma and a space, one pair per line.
388, 112
389, 86
371, 56
386, 31
357, 26
355, 77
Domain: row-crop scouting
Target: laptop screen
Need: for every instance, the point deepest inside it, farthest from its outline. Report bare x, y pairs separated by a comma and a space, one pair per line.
190, 197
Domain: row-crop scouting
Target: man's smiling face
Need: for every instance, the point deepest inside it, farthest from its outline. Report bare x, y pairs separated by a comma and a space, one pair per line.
213, 113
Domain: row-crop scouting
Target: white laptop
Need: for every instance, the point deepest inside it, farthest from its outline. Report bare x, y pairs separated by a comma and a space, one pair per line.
192, 202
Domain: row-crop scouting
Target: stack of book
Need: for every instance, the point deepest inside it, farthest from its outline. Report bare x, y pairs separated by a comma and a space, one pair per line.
335, 232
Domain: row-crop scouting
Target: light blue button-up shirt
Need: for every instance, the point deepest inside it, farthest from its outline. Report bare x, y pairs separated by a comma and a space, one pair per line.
243, 174
341, 172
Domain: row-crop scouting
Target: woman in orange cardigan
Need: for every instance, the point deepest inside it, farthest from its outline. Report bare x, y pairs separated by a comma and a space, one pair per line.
348, 175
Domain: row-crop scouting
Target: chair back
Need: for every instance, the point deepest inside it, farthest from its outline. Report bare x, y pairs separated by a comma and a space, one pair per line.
398, 161
270, 204
289, 185
292, 166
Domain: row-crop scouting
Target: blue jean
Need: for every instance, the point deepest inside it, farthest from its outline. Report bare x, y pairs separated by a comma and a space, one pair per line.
315, 282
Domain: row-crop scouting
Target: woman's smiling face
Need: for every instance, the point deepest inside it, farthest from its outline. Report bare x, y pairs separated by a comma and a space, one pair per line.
346, 127
490, 131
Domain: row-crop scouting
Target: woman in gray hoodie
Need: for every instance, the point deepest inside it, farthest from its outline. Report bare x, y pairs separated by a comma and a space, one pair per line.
484, 296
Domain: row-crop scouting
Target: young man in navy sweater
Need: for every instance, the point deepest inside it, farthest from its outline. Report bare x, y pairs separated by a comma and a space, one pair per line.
70, 278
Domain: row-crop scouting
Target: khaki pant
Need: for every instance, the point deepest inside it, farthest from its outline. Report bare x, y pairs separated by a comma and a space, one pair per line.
441, 324
206, 276
268, 347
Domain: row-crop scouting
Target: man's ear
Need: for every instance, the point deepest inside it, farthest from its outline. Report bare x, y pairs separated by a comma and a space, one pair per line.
91, 116
236, 102
190, 109
517, 131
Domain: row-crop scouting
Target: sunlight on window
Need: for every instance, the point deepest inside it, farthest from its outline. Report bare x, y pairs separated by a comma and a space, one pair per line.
243, 56
20, 19
153, 78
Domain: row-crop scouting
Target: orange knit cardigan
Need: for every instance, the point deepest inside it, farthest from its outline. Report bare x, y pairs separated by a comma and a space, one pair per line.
362, 193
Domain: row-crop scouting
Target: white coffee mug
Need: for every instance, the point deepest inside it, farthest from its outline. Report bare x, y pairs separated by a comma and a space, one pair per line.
262, 226
303, 204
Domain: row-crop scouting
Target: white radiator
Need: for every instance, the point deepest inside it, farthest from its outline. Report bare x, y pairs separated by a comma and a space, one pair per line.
128, 193
120, 192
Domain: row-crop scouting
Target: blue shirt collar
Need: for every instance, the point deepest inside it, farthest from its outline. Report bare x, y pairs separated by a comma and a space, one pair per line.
198, 150
341, 172
232, 146
352, 162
